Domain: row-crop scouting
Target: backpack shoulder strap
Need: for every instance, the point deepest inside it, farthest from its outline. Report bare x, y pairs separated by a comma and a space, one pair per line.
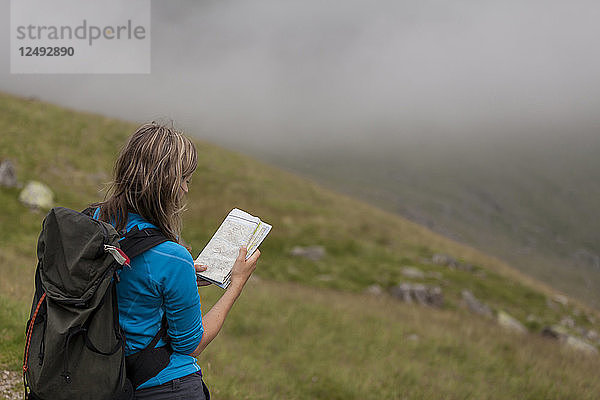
89, 211
137, 241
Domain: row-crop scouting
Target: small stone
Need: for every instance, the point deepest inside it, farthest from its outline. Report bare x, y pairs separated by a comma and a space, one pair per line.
435, 297
560, 299
580, 345
37, 195
402, 292
555, 332
567, 322
475, 305
8, 175
510, 323
313, 253
592, 335
444, 259
413, 337
551, 305
374, 290
412, 272
420, 294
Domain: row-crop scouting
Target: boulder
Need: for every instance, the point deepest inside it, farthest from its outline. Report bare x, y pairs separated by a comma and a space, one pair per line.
37, 195
510, 323
562, 335
428, 296
580, 345
444, 259
8, 175
560, 299
402, 292
313, 253
419, 292
555, 332
475, 305
412, 272
436, 297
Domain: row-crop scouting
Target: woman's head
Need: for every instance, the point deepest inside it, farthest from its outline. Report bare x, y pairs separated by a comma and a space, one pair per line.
150, 178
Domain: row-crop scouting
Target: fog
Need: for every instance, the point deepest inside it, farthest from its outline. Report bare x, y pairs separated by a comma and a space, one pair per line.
273, 74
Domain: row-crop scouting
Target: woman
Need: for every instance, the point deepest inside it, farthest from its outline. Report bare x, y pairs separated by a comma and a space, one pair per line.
152, 174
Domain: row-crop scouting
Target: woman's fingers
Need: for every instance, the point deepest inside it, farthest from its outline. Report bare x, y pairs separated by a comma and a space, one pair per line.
200, 267
254, 257
200, 281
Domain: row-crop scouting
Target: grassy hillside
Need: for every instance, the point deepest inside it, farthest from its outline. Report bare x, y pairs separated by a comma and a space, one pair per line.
529, 201
304, 329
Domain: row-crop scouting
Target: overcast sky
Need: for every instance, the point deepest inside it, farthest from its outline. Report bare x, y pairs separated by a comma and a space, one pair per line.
278, 72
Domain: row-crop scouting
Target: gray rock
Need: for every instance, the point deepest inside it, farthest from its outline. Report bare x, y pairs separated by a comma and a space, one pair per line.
444, 259
419, 292
413, 337
402, 292
451, 262
560, 299
475, 305
436, 297
510, 323
428, 296
592, 335
580, 345
313, 253
551, 304
8, 175
555, 332
412, 272
374, 290
37, 195
568, 322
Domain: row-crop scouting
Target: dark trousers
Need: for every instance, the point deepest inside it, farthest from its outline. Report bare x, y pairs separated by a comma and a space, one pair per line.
188, 387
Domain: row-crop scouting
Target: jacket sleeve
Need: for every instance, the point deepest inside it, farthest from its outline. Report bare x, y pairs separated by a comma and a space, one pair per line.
181, 299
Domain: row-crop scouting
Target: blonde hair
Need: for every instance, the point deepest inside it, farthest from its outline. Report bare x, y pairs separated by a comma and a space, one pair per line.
148, 178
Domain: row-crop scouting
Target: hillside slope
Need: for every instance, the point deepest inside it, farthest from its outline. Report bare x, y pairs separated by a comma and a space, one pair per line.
529, 201
307, 340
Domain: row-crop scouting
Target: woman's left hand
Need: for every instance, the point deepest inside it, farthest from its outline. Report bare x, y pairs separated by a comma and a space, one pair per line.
200, 281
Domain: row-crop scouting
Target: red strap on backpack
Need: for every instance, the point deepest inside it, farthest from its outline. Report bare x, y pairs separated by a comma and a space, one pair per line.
30, 330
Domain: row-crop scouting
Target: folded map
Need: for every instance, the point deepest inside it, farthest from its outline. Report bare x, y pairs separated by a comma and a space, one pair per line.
238, 229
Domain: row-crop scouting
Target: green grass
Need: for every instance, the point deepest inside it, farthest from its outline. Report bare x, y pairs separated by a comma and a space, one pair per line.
305, 330
332, 345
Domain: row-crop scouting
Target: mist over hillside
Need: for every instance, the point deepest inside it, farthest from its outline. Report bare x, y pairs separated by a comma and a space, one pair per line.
530, 202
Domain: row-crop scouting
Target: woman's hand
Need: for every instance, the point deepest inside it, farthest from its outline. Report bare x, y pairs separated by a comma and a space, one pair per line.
200, 281
212, 321
242, 269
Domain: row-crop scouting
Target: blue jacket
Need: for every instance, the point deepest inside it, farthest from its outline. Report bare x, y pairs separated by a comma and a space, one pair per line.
161, 280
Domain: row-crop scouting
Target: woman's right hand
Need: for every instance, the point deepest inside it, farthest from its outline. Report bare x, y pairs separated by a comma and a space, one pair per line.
242, 269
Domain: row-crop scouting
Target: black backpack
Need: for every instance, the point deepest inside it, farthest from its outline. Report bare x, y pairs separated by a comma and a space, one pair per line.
75, 347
